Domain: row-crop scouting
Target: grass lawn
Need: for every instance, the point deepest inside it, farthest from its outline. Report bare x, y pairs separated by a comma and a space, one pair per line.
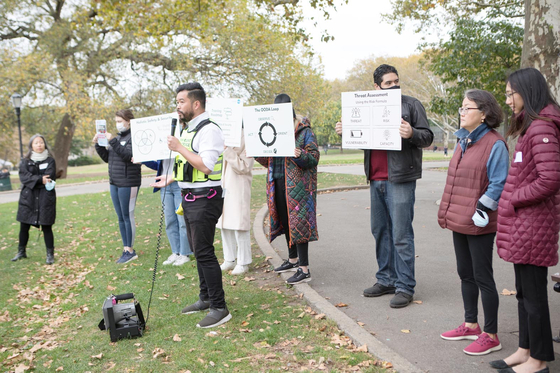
98, 172
49, 314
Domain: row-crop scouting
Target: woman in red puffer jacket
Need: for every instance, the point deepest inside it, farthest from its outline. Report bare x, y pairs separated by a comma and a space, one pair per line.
529, 215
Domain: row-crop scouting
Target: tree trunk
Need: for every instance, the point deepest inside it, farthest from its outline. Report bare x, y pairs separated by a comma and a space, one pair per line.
62, 144
541, 41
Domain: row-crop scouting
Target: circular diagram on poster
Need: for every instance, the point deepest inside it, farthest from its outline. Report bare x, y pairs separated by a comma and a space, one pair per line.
144, 140
267, 134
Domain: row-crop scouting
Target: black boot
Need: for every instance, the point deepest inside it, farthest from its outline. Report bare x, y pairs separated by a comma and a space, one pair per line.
50, 255
20, 254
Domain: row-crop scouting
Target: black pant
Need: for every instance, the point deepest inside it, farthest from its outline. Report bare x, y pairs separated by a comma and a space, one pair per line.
474, 266
300, 250
201, 217
535, 333
47, 234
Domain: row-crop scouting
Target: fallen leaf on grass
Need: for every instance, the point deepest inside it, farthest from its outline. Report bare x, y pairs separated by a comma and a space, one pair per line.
244, 323
341, 305
320, 316
508, 292
405, 331
249, 279
362, 348
176, 338
179, 276
35, 348
111, 288
21, 368
59, 369
97, 356
387, 365
301, 315
157, 352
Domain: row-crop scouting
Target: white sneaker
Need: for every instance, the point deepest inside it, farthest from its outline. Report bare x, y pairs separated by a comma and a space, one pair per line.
239, 269
172, 258
226, 266
182, 259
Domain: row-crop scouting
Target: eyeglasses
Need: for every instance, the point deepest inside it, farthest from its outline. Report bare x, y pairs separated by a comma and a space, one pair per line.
510, 94
465, 110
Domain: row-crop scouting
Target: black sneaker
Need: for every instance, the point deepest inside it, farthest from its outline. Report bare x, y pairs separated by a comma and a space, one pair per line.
400, 300
378, 290
216, 316
299, 277
287, 267
127, 257
199, 305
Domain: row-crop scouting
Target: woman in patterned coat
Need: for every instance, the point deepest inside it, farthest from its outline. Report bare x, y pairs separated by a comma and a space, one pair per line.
292, 197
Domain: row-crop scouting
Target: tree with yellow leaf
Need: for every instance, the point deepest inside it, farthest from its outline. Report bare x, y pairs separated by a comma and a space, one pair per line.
84, 59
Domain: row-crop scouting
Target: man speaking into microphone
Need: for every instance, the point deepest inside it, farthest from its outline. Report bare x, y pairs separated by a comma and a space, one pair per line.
198, 172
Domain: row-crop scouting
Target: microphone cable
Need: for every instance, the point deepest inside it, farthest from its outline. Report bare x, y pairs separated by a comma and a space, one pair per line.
161, 220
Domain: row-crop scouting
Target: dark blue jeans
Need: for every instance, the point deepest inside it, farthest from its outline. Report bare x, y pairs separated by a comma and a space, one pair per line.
124, 201
392, 212
201, 217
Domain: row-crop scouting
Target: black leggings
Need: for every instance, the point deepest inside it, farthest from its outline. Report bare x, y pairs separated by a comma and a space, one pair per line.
474, 265
300, 250
47, 233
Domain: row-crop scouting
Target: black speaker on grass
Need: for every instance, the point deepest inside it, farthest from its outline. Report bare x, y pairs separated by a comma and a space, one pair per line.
123, 320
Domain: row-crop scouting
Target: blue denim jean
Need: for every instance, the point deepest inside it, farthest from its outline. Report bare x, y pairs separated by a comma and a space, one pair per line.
175, 226
392, 212
124, 201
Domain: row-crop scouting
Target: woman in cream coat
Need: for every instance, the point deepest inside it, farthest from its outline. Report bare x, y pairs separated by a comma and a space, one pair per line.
235, 221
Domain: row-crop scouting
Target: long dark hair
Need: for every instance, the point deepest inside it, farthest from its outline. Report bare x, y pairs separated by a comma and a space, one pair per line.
28, 155
283, 98
531, 85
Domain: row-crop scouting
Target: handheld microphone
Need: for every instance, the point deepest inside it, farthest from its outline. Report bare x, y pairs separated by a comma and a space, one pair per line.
173, 126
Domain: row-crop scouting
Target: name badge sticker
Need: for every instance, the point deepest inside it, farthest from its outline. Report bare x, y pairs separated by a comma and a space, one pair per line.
123, 143
43, 166
518, 157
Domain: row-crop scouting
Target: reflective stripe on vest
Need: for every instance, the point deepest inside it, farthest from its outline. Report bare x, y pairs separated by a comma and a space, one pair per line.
183, 171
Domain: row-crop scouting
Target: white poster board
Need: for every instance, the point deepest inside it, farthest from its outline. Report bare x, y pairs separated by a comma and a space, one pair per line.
228, 114
101, 129
269, 130
149, 137
371, 119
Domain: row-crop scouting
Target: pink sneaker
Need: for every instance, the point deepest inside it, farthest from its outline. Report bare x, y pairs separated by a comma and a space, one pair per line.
462, 332
483, 345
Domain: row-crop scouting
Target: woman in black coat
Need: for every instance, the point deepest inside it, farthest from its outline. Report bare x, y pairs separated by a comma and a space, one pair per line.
37, 201
125, 178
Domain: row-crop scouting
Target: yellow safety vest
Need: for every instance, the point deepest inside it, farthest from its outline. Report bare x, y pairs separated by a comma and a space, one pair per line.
184, 171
